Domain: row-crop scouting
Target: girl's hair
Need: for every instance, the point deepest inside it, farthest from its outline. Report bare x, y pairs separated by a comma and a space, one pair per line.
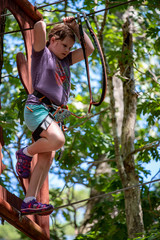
60, 31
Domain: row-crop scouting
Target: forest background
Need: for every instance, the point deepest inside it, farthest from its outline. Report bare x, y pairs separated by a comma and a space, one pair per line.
112, 148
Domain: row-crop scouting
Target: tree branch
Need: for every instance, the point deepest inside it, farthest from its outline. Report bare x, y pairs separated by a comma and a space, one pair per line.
154, 77
145, 147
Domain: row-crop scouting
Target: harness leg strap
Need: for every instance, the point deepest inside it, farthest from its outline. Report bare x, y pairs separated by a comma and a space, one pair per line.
42, 126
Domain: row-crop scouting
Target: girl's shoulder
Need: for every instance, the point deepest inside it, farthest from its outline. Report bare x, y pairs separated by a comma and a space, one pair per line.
43, 55
44, 51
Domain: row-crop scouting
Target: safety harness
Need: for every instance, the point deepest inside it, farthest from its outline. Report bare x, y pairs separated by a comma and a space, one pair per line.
56, 113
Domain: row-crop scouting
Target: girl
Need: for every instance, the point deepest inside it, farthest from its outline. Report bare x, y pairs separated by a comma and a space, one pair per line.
51, 83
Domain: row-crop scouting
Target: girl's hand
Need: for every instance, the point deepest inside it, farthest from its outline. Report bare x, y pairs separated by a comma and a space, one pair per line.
70, 21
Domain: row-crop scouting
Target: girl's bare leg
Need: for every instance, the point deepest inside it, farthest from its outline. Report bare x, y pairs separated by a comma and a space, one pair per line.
52, 139
45, 173
39, 174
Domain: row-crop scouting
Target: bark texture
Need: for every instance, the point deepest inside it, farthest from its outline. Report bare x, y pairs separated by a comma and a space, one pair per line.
134, 216
125, 160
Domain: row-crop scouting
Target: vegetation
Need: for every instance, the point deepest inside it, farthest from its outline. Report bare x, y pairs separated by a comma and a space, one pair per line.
108, 150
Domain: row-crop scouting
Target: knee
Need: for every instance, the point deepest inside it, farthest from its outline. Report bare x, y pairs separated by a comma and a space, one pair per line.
56, 141
54, 136
60, 141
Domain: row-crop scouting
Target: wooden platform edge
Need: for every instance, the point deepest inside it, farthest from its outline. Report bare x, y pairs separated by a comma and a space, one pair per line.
24, 224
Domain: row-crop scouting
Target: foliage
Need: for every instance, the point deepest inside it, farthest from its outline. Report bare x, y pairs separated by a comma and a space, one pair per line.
7, 232
88, 141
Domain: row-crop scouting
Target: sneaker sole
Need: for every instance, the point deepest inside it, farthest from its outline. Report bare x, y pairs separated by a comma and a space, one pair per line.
44, 214
38, 212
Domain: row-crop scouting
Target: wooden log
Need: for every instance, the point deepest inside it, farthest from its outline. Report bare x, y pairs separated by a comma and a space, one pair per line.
26, 16
24, 224
29, 9
12, 199
22, 66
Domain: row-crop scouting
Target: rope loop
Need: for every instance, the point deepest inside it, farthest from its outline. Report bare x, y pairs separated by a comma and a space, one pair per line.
104, 74
100, 52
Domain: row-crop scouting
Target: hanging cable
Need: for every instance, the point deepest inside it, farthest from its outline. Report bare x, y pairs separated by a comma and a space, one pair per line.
46, 5
107, 194
89, 14
118, 5
95, 12
102, 10
58, 10
6, 14
35, 5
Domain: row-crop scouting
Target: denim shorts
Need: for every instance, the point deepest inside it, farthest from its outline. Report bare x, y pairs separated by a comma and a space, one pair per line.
34, 115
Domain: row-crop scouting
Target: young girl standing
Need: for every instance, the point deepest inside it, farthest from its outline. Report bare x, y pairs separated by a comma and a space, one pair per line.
51, 82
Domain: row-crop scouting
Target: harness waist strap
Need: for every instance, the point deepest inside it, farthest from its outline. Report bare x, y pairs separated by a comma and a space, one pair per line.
42, 98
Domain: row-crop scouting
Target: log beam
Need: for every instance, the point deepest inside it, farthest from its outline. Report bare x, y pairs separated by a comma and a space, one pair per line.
29, 9
24, 224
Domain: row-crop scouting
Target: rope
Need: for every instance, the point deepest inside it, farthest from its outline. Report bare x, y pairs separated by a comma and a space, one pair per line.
104, 75
89, 14
102, 10
46, 5
85, 58
35, 5
58, 10
107, 194
97, 44
118, 5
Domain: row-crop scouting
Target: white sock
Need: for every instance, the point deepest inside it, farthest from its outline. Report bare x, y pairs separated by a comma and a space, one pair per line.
28, 199
26, 152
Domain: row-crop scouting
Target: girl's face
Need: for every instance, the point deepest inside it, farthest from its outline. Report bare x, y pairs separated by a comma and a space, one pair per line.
61, 48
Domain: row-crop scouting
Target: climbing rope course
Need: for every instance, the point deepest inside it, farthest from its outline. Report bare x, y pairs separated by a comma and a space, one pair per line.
97, 44
51, 24
36, 7
93, 101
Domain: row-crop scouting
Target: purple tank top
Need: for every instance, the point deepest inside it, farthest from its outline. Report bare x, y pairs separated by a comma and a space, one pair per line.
50, 76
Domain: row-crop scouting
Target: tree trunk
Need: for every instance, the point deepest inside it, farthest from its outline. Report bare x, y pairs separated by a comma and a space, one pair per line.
134, 216
123, 127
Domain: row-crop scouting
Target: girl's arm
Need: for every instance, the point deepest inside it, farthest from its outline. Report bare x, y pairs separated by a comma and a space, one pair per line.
39, 36
77, 55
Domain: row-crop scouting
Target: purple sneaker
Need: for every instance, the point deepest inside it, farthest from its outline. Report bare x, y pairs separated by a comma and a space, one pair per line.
34, 207
23, 164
